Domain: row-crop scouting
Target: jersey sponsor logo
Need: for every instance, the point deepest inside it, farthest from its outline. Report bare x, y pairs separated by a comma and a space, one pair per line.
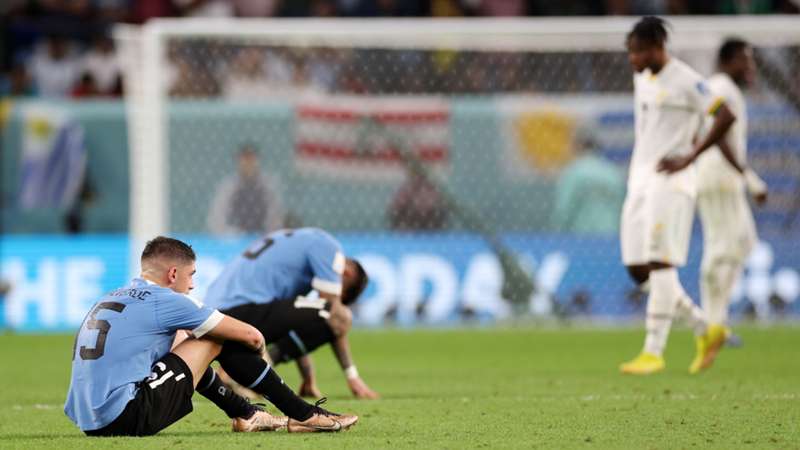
701, 88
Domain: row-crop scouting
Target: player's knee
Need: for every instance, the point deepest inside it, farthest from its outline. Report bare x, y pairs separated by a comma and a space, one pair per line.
639, 274
276, 355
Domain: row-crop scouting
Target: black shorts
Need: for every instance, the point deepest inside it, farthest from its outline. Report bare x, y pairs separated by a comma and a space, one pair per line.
294, 327
163, 398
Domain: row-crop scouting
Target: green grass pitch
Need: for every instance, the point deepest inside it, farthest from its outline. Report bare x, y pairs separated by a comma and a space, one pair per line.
464, 388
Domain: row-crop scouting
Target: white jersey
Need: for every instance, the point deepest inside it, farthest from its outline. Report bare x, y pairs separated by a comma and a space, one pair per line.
714, 172
669, 109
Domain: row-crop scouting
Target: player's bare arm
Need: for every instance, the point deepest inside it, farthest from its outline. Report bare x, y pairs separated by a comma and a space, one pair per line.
755, 185
341, 348
231, 329
308, 387
730, 156
333, 298
340, 321
723, 119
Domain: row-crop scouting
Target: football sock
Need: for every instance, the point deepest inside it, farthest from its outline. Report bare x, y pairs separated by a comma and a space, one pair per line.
276, 391
716, 287
692, 314
249, 370
234, 405
660, 309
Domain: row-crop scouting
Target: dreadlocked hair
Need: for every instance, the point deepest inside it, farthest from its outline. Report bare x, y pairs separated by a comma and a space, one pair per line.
650, 30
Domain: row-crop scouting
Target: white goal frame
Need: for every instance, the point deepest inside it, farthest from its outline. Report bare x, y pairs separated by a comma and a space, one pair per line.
142, 50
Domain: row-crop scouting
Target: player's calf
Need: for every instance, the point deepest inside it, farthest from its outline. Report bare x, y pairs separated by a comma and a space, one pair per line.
253, 372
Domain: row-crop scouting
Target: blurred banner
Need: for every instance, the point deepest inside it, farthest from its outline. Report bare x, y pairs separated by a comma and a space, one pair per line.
53, 158
416, 279
348, 137
485, 153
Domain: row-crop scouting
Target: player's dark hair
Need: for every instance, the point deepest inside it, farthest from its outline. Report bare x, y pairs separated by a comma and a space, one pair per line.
351, 292
730, 49
247, 148
169, 248
650, 30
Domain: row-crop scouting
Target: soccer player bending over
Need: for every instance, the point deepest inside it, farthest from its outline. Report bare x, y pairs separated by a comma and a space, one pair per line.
670, 101
127, 382
284, 265
294, 328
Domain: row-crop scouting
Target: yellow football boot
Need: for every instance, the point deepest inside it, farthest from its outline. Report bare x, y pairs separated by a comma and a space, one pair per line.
644, 364
708, 345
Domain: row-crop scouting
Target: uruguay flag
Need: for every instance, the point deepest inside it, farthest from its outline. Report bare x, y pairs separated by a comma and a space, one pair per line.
53, 159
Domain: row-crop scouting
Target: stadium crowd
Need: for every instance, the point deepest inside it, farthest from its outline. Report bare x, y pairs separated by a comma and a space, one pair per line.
62, 48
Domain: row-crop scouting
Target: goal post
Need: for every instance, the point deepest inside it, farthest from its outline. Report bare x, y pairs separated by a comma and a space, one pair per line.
487, 115
143, 50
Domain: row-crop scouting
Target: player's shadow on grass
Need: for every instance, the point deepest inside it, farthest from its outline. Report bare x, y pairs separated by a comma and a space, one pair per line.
59, 436
83, 437
189, 433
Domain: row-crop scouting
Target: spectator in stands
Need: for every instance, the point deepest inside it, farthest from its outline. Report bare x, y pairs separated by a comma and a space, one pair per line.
205, 8
102, 65
246, 202
589, 192
497, 8
86, 87
245, 77
17, 83
143, 10
418, 205
75, 217
55, 67
113, 11
190, 75
324, 66
256, 8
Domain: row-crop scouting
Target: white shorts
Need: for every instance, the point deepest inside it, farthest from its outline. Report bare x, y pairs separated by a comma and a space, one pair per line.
656, 226
729, 231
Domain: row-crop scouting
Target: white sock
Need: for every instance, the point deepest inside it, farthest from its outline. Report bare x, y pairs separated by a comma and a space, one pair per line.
716, 287
660, 310
692, 314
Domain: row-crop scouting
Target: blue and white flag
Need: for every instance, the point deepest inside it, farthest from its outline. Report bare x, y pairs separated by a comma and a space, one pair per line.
53, 159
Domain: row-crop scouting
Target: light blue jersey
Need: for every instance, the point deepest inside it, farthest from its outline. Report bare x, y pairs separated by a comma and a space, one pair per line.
121, 338
283, 264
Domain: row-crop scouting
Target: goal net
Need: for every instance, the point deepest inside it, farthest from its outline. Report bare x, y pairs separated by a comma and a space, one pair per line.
473, 165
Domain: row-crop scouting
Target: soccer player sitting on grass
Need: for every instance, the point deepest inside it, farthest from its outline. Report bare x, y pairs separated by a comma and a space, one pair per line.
284, 265
127, 382
670, 100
